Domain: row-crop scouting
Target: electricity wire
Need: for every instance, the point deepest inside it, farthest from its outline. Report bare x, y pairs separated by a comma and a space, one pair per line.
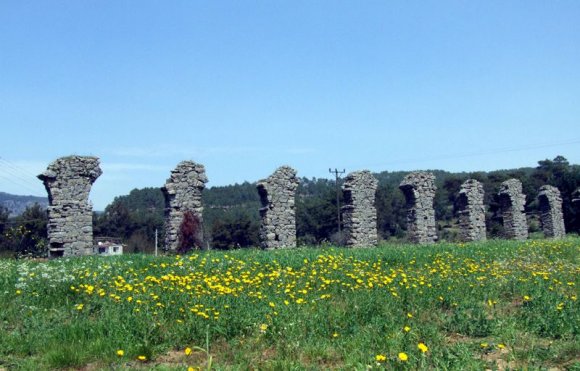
480, 153
18, 176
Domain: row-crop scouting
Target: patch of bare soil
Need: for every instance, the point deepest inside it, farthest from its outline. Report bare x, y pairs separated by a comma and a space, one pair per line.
458, 338
497, 357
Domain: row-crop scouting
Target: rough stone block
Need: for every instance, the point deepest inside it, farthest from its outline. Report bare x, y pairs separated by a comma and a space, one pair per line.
68, 182
182, 193
419, 190
278, 216
512, 206
471, 211
551, 216
359, 214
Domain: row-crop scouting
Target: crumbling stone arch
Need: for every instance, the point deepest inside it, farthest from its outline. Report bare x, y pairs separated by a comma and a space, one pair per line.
278, 215
68, 182
471, 211
419, 190
551, 216
512, 207
359, 213
182, 193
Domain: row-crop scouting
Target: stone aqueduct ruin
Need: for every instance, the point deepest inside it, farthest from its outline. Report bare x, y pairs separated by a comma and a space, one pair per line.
68, 182
512, 202
471, 211
359, 213
278, 217
182, 193
419, 190
551, 214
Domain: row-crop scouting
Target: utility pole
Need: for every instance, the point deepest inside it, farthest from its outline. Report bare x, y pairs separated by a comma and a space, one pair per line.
337, 176
155, 241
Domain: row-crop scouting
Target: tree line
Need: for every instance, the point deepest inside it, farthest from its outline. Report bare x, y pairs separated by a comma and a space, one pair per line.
231, 213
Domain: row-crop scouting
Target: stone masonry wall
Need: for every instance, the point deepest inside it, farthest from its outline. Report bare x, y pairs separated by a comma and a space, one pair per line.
551, 214
512, 202
419, 190
359, 214
277, 194
471, 211
68, 182
182, 193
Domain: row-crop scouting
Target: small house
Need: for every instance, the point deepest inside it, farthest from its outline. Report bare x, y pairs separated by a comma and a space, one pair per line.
107, 246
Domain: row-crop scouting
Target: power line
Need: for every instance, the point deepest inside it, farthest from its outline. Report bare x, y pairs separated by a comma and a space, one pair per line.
18, 183
19, 221
17, 168
481, 153
18, 176
337, 177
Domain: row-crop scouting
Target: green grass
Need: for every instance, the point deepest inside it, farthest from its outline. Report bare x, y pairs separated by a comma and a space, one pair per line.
499, 304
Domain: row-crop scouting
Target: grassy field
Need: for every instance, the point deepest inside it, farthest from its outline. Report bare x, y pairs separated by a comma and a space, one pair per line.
497, 305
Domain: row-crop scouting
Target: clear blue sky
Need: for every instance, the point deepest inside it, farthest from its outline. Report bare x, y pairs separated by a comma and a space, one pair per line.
246, 86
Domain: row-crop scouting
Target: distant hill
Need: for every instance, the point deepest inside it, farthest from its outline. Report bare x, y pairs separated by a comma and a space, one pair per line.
17, 204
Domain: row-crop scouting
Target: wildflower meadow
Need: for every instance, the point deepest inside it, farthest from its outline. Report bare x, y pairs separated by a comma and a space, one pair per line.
497, 305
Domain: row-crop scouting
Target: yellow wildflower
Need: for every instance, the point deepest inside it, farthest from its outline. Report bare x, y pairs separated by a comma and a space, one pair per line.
403, 357
187, 351
422, 347
380, 358
120, 352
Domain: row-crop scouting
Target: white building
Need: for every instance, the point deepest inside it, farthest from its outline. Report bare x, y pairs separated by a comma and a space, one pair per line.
108, 246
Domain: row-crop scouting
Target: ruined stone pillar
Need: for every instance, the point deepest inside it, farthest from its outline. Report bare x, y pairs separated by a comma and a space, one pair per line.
68, 182
277, 194
551, 214
512, 202
419, 190
182, 193
359, 214
471, 211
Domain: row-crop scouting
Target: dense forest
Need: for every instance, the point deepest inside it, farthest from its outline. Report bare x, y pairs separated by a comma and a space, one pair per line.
231, 214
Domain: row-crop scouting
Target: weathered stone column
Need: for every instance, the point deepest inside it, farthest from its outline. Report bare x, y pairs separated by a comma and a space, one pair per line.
68, 182
182, 193
277, 194
359, 214
512, 202
551, 214
471, 211
419, 190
